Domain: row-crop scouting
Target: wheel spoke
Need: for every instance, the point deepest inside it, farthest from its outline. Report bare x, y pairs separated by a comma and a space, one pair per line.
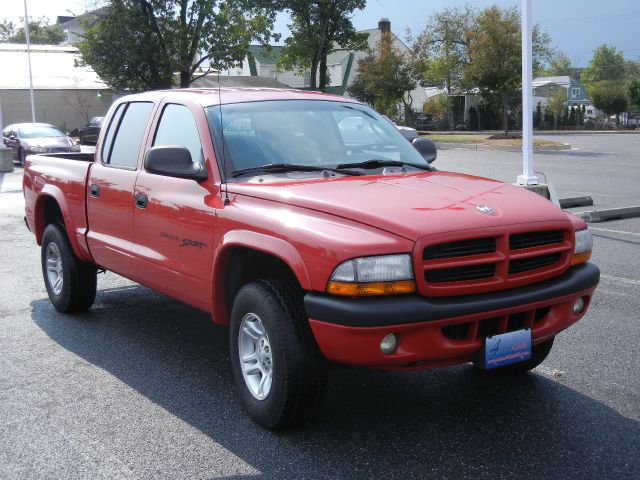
253, 369
249, 330
250, 357
58, 284
263, 381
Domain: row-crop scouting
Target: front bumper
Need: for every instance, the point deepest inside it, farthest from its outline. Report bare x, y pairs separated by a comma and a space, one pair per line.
436, 332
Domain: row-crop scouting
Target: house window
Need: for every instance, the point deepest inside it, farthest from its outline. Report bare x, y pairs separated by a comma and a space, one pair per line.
575, 92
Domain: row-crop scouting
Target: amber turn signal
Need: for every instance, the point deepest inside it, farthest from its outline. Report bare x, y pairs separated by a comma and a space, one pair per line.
349, 289
580, 258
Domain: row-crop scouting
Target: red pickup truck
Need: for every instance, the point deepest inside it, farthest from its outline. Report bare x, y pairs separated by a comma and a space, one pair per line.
312, 228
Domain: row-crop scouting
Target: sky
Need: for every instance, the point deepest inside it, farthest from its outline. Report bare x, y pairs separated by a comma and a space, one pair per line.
576, 27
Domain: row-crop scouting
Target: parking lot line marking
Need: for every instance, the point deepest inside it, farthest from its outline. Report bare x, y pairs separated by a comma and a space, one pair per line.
628, 281
614, 231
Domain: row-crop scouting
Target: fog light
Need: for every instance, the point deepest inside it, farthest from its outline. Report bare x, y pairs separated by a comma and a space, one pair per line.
578, 306
388, 344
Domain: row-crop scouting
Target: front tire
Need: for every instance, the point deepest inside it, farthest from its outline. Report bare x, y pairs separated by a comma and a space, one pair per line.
277, 366
70, 282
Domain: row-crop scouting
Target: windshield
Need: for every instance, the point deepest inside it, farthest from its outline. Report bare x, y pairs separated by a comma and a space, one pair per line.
308, 133
40, 132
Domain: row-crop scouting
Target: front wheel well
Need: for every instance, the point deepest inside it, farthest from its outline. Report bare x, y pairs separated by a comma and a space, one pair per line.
245, 265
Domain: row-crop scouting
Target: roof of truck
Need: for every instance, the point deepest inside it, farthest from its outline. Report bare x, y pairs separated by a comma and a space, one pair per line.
213, 96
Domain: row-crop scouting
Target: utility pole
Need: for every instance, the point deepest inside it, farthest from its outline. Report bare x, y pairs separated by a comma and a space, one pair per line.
527, 177
26, 35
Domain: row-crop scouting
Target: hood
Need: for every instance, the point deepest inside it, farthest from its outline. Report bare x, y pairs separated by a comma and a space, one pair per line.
414, 205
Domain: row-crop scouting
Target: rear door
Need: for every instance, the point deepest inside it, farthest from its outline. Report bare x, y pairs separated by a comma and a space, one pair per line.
110, 196
174, 218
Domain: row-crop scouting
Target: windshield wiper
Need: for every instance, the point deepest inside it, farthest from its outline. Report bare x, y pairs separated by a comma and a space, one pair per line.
377, 163
290, 167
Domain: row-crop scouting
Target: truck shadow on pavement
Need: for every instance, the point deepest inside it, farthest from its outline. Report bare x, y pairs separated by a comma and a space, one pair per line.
450, 423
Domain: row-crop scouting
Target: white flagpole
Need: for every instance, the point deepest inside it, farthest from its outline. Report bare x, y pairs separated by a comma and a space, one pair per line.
26, 34
527, 177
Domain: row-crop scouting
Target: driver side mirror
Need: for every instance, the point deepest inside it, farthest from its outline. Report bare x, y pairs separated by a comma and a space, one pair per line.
173, 161
426, 148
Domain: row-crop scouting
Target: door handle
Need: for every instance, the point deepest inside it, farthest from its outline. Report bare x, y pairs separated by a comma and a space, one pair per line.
95, 190
141, 200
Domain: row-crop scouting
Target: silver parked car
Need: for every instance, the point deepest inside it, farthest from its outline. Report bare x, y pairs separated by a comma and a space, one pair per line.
28, 138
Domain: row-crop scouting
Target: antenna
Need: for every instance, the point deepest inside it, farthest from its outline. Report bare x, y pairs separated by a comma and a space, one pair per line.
224, 156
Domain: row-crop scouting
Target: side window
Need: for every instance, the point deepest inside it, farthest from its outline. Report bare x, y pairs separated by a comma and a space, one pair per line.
111, 130
128, 137
178, 127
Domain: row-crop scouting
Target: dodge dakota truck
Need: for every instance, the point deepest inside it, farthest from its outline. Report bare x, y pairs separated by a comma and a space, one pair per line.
316, 232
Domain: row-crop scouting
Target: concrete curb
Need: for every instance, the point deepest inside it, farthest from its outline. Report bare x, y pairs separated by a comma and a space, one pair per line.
504, 148
596, 216
571, 202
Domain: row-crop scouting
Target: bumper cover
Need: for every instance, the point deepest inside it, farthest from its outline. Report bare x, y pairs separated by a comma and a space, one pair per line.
378, 312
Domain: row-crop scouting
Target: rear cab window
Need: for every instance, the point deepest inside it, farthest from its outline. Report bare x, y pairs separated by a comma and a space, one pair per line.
121, 148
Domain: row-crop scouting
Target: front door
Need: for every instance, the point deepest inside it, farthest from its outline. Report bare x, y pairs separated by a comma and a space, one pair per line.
174, 218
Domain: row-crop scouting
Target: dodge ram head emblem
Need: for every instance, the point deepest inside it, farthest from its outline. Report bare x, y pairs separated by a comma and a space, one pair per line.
486, 209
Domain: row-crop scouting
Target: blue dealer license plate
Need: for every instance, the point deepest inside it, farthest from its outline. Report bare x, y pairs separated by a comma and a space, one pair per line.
507, 348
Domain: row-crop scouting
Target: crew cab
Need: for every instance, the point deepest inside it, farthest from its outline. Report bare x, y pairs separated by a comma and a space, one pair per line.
316, 232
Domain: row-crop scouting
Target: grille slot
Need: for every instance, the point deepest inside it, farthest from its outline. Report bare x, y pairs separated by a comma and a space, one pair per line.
460, 274
488, 327
463, 248
532, 263
520, 241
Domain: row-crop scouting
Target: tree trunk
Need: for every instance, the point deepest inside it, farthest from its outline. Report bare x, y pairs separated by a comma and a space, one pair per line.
505, 115
323, 74
185, 79
314, 72
555, 121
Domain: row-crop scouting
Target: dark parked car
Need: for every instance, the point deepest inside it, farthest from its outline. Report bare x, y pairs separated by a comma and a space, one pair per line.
427, 121
28, 138
89, 134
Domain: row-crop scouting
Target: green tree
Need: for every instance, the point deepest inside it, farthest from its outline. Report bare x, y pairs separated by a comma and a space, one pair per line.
40, 33
443, 46
7, 30
140, 44
559, 65
607, 64
633, 92
495, 56
319, 27
385, 77
610, 97
632, 76
557, 105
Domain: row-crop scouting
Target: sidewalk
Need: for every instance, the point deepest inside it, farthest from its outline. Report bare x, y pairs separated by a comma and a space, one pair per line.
11, 198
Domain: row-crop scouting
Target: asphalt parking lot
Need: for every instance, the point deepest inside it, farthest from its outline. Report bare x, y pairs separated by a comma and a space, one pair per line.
139, 387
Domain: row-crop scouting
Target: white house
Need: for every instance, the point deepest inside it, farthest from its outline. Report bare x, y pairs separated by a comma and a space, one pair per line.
342, 65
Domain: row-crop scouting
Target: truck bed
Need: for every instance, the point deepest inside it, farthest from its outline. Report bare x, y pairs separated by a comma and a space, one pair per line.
65, 181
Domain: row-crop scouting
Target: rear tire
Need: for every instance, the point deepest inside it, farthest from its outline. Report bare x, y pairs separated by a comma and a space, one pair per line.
539, 354
22, 156
70, 282
277, 366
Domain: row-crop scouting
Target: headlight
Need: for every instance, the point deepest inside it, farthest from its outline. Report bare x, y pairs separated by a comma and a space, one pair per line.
380, 275
37, 149
584, 245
